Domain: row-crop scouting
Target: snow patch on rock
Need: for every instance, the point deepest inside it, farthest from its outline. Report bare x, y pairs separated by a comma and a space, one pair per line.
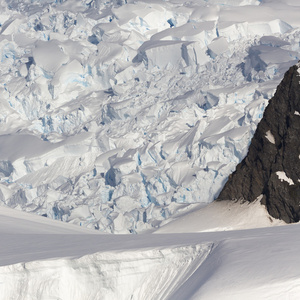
270, 137
283, 177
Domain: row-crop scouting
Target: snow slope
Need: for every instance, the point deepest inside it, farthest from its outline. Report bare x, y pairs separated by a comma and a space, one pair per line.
48, 262
17, 222
221, 216
117, 115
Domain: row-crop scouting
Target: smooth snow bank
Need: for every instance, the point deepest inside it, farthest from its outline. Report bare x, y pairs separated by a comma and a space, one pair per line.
246, 264
223, 216
13, 221
143, 274
246, 267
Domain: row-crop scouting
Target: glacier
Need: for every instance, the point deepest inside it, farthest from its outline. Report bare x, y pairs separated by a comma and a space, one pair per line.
121, 115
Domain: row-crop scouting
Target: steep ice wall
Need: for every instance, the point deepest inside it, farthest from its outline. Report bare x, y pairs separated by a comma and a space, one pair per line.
118, 115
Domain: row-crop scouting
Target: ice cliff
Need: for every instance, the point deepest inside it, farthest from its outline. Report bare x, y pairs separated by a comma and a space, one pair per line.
118, 115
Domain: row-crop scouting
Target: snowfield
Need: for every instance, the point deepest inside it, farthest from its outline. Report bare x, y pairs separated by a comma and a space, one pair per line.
47, 259
119, 115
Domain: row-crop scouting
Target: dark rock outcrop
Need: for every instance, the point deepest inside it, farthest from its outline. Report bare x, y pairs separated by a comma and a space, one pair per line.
272, 165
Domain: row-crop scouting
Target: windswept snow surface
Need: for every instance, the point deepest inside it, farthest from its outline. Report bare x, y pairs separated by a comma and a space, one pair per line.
117, 115
52, 260
222, 216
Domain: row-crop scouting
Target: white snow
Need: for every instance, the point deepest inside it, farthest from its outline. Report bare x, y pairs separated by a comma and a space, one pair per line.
270, 137
13, 222
283, 177
46, 259
128, 116
223, 216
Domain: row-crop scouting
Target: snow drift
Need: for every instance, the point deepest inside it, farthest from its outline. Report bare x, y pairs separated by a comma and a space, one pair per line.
46, 259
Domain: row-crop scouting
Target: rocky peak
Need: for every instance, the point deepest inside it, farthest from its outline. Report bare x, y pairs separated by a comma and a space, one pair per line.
271, 170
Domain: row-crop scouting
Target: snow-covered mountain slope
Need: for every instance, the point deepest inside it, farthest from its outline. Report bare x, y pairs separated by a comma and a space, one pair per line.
271, 170
221, 216
247, 264
18, 222
117, 115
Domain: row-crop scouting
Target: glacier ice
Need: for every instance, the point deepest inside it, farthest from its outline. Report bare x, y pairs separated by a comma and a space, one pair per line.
118, 115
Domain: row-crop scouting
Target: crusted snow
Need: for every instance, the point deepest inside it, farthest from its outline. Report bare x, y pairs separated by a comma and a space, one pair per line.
270, 137
283, 177
119, 115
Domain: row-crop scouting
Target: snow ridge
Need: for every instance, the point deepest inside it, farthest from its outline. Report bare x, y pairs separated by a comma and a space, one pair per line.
143, 274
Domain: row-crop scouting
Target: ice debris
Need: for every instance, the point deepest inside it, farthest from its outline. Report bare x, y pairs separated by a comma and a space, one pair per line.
117, 115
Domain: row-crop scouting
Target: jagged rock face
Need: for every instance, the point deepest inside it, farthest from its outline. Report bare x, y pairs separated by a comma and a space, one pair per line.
272, 165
